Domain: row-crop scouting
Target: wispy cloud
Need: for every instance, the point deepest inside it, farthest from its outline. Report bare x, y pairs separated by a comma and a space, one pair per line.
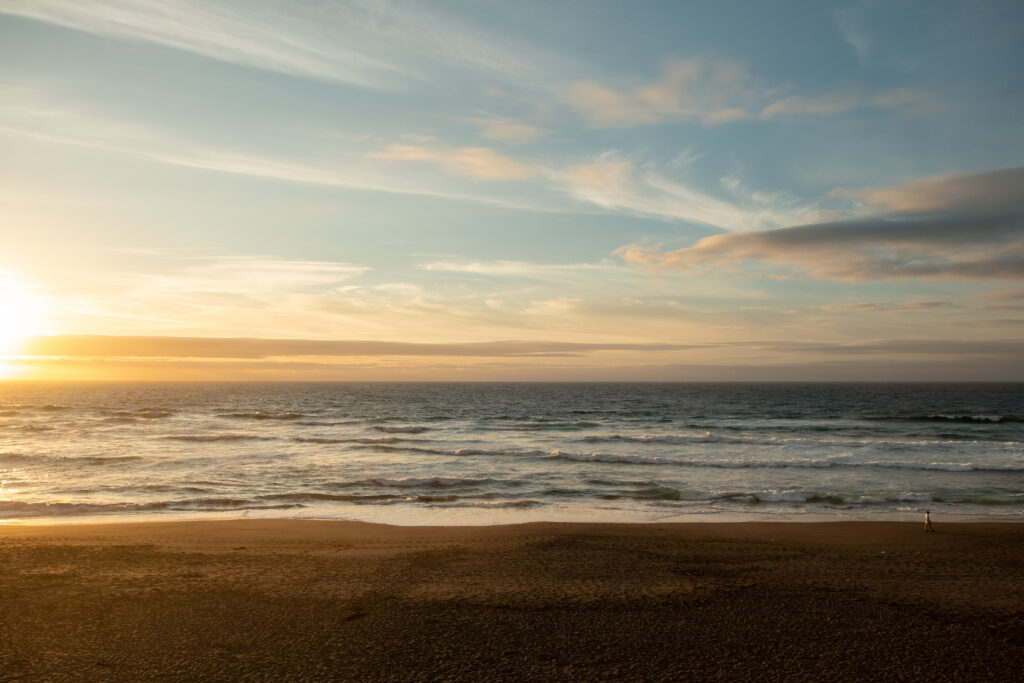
962, 227
367, 43
482, 163
517, 268
265, 35
850, 25
506, 129
166, 291
20, 116
892, 308
251, 275
851, 99
714, 91
614, 182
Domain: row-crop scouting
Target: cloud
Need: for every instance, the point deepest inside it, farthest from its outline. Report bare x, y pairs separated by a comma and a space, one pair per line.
22, 114
511, 130
962, 227
517, 268
849, 22
254, 274
985, 348
712, 91
600, 175
210, 358
107, 346
715, 91
989, 248
364, 43
265, 35
907, 99
996, 191
99, 346
890, 308
481, 163
178, 292
612, 182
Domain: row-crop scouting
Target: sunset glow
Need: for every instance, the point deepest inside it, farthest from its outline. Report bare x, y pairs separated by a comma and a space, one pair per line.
18, 315
487, 191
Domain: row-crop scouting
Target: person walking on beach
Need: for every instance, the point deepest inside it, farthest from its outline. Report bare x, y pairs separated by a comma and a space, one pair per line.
928, 521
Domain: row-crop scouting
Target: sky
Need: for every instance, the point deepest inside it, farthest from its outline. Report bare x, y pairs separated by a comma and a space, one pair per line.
491, 190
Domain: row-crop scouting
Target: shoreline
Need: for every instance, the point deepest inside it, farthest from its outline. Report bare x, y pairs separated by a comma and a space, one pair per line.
469, 517
343, 600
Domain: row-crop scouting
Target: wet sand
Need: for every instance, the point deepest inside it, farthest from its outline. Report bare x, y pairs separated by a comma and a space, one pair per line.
315, 600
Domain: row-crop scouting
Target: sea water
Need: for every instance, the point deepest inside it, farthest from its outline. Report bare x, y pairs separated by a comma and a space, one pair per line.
472, 453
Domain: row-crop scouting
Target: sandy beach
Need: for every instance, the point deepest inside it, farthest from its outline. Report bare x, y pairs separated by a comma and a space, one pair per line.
324, 600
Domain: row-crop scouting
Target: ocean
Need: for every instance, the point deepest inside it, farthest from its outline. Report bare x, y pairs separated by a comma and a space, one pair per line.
468, 453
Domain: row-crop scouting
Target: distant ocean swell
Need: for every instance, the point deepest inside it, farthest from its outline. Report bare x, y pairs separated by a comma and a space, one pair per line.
608, 452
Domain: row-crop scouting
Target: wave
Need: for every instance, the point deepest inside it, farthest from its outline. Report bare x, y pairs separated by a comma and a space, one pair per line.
260, 415
144, 413
657, 493
401, 430
11, 458
968, 419
787, 497
456, 451
50, 407
25, 509
981, 499
385, 448
312, 497
434, 482
204, 438
766, 437
778, 464
849, 501
437, 499
674, 439
102, 459
153, 413
497, 504
385, 440
370, 499
668, 460
544, 425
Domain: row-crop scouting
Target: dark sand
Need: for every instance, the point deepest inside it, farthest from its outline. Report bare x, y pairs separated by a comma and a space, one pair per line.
307, 600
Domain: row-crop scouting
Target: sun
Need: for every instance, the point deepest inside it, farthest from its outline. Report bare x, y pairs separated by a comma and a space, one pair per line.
18, 314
